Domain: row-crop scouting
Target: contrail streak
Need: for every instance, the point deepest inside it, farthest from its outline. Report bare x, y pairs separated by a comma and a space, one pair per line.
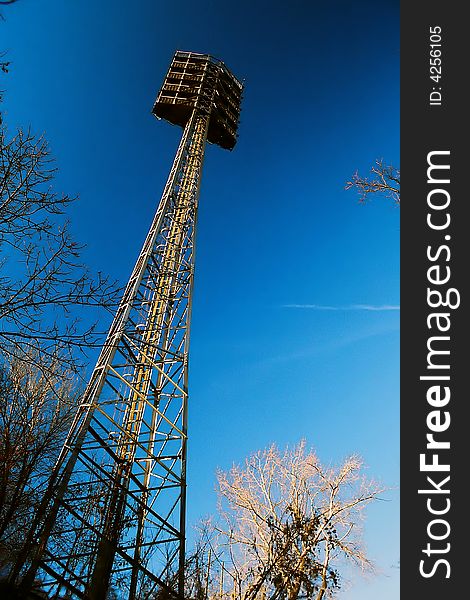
366, 307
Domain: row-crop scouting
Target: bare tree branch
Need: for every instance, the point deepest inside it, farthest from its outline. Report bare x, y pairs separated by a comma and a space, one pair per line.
385, 180
35, 414
42, 281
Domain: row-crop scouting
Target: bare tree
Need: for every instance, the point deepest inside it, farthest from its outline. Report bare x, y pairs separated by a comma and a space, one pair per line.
35, 414
42, 282
286, 526
196, 577
385, 180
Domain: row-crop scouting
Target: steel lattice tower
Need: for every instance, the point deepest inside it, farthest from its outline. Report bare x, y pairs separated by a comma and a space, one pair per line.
113, 518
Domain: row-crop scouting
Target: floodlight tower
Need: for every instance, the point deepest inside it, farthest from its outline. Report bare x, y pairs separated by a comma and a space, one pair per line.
113, 517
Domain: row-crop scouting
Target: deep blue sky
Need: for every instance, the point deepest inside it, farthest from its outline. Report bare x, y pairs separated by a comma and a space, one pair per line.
276, 227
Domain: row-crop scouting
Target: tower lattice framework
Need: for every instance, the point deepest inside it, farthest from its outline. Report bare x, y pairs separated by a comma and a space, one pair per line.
113, 518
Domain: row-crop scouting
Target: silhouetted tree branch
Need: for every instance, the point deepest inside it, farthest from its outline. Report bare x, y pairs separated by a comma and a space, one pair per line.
5, 3
42, 281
